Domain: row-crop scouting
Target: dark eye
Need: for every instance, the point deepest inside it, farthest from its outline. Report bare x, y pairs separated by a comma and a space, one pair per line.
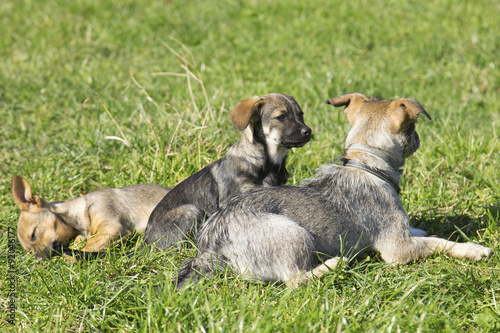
281, 117
33, 235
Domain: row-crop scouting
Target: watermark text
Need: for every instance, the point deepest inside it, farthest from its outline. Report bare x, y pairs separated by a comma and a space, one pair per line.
11, 276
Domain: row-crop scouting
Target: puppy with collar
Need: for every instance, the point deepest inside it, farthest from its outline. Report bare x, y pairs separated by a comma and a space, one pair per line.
271, 125
105, 215
292, 233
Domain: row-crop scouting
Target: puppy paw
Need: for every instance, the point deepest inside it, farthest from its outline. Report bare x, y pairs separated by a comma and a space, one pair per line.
476, 252
70, 259
414, 232
487, 252
79, 242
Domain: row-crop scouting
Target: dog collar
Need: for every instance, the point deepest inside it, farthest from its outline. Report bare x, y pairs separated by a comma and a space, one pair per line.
377, 152
385, 177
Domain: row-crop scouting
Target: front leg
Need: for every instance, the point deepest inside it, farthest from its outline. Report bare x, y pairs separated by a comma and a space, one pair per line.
457, 250
104, 237
421, 247
79, 242
97, 243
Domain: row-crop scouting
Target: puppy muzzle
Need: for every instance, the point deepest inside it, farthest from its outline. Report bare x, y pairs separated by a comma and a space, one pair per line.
299, 138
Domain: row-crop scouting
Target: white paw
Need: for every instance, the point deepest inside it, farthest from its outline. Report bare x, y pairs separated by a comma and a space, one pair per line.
476, 252
414, 232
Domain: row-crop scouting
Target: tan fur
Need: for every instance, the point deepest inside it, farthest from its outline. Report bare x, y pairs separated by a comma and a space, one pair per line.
244, 111
403, 112
106, 216
391, 114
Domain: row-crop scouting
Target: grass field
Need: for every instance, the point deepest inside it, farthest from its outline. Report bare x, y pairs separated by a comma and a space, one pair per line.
88, 100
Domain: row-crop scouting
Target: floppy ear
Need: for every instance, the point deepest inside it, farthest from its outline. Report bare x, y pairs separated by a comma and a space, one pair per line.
352, 103
21, 190
245, 111
405, 111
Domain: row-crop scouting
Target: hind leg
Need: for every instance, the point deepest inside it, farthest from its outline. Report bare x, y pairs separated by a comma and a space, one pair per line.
174, 226
319, 271
202, 265
267, 247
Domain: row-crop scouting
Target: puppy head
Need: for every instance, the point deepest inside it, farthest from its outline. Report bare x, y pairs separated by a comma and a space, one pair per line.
381, 123
274, 119
39, 229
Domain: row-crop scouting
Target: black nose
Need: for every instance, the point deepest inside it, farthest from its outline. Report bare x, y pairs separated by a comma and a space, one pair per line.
57, 246
56, 249
306, 131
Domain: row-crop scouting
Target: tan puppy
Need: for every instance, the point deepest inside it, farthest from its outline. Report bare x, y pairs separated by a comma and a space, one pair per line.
108, 215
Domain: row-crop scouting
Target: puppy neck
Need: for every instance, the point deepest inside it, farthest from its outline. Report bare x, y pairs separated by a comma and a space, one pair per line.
73, 213
394, 163
264, 165
375, 161
258, 149
276, 155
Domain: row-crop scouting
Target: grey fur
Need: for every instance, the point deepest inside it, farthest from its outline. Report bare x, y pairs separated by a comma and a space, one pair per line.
272, 124
293, 233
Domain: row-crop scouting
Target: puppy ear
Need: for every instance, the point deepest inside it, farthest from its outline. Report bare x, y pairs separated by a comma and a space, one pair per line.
245, 111
352, 103
21, 190
405, 111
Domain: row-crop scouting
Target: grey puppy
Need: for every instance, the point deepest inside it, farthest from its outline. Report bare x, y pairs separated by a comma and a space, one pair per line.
271, 125
291, 234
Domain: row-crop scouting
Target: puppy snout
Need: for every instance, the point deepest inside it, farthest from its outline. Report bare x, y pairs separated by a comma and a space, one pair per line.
305, 131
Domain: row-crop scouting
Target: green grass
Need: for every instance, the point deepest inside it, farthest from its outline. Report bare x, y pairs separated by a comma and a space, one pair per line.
73, 74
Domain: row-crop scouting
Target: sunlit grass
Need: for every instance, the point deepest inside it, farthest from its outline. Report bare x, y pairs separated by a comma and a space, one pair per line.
112, 93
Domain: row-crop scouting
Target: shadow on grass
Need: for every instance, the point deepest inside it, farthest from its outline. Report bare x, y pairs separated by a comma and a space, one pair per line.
451, 227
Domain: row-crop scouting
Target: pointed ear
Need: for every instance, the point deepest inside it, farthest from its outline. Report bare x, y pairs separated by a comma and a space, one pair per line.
21, 190
405, 111
245, 111
352, 103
